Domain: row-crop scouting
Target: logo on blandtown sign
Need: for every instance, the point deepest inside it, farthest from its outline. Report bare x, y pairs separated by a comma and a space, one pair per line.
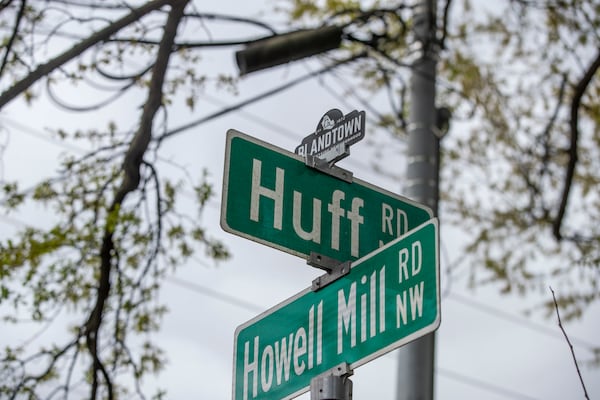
334, 134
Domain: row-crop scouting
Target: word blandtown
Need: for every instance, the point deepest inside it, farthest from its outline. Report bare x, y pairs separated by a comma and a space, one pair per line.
335, 132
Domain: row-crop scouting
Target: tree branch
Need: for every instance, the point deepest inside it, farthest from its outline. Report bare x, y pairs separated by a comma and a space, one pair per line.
13, 36
444, 28
570, 345
545, 136
131, 168
100, 36
574, 126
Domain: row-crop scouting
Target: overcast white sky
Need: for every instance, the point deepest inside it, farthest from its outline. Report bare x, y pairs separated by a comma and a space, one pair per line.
485, 347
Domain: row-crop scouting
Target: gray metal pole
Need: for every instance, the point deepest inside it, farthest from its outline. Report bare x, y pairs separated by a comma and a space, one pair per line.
333, 384
331, 387
416, 360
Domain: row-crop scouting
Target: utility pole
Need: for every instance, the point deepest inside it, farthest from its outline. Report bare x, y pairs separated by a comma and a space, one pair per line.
416, 360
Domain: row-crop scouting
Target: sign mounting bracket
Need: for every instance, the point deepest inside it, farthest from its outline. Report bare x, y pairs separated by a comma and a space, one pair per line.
335, 269
327, 168
342, 370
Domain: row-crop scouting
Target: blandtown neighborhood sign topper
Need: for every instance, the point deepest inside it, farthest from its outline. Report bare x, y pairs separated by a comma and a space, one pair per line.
334, 134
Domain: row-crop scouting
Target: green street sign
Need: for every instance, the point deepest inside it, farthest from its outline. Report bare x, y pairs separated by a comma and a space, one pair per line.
272, 197
389, 298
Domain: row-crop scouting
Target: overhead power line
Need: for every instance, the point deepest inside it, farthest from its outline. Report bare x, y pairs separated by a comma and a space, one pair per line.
258, 97
522, 322
13, 221
231, 300
41, 136
489, 387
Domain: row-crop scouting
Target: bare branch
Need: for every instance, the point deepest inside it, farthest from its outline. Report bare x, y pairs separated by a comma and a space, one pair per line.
100, 36
131, 167
444, 27
545, 136
13, 36
570, 345
574, 125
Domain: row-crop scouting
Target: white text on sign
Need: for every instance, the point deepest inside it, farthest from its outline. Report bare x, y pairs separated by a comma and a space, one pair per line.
340, 206
357, 315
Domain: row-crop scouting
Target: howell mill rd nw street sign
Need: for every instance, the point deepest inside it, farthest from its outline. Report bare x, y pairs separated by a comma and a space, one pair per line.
389, 298
272, 197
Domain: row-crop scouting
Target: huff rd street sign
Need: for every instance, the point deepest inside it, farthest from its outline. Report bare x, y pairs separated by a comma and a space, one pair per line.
389, 298
271, 196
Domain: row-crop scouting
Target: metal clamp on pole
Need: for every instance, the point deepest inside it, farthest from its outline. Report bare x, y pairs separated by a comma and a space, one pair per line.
335, 269
325, 167
333, 384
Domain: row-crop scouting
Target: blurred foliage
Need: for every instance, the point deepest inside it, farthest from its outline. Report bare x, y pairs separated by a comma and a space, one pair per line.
119, 226
521, 163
